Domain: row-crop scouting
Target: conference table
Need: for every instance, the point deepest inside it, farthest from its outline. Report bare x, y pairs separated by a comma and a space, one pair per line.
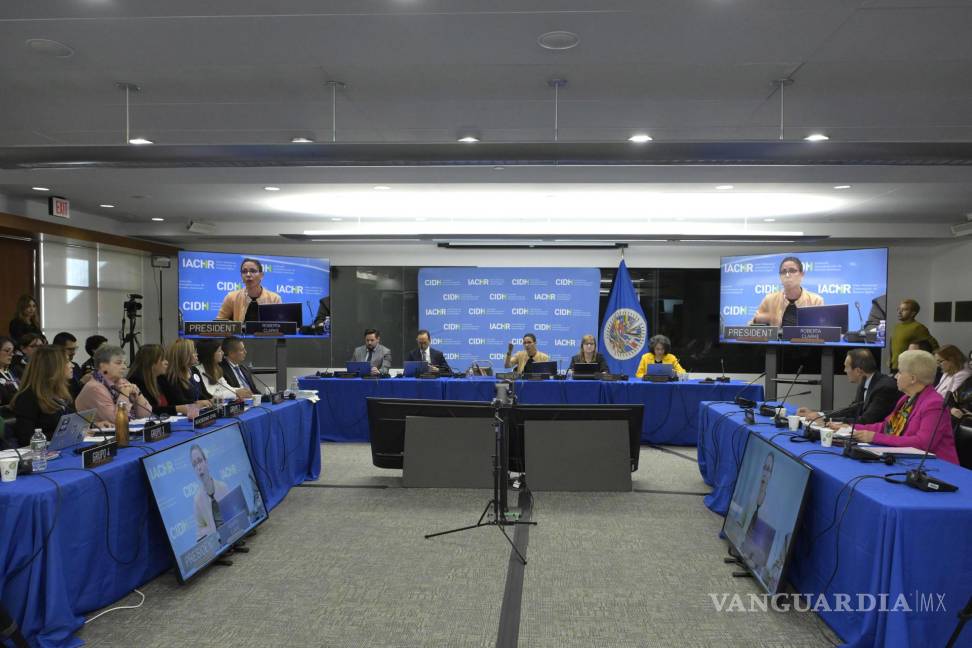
75, 540
671, 409
893, 539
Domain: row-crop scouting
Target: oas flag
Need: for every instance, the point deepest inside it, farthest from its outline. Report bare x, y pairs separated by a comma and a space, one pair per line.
625, 329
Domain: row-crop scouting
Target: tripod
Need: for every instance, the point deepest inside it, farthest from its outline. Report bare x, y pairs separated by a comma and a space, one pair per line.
130, 338
502, 405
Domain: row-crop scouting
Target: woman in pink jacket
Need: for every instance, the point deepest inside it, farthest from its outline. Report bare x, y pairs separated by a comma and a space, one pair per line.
920, 419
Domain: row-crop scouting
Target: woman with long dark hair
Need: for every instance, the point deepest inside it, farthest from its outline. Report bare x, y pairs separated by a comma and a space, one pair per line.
26, 319
44, 396
150, 365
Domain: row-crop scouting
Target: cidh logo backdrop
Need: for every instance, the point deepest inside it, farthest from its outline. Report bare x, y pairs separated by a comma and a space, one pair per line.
473, 313
205, 278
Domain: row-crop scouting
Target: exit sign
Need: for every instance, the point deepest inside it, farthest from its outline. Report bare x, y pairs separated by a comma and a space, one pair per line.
57, 206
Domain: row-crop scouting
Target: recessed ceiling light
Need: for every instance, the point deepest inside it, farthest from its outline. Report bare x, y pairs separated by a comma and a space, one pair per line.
725, 187
106, 206
50, 47
842, 186
498, 168
816, 137
337, 219
271, 188
302, 140
769, 220
558, 40
382, 188
158, 219
640, 138
140, 140
468, 139
41, 188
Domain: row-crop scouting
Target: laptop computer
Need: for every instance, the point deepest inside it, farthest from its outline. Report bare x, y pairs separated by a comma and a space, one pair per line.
363, 368
541, 369
414, 368
586, 368
281, 313
235, 514
660, 372
70, 429
823, 316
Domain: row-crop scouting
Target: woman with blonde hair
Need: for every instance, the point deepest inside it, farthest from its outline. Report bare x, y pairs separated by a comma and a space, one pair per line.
181, 385
44, 396
589, 355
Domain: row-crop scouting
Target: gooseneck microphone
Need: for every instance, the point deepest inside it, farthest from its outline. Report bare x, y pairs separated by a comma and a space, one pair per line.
745, 402
257, 378
723, 377
918, 478
860, 317
780, 420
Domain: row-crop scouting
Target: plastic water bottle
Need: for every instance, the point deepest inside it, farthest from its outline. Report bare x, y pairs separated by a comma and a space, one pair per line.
294, 386
38, 450
327, 325
882, 327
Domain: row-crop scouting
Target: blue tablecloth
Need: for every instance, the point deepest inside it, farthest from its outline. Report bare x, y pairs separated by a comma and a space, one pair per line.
894, 540
96, 534
671, 409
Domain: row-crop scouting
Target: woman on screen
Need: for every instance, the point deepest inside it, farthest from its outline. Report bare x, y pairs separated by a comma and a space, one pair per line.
779, 308
149, 366
917, 419
181, 385
660, 353
210, 357
243, 305
44, 395
589, 355
108, 387
206, 501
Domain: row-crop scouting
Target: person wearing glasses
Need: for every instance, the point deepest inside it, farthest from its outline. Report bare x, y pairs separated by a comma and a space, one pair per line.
29, 343
589, 355
243, 305
9, 383
779, 308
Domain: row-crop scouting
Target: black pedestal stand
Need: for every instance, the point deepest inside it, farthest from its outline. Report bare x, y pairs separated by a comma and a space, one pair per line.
500, 515
964, 615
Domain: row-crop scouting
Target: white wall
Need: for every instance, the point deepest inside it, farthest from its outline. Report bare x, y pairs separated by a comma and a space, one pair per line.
950, 280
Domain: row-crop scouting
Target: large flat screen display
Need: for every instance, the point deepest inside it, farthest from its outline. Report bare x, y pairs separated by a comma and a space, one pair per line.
765, 509
205, 278
836, 298
207, 494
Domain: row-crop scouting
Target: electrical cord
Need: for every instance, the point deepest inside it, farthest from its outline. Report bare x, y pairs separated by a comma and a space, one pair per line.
857, 480
9, 576
120, 607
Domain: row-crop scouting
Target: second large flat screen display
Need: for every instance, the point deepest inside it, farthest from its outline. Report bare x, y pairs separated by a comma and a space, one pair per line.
836, 297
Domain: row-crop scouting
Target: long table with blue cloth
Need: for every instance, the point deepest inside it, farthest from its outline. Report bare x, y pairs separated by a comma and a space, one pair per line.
861, 534
671, 409
75, 540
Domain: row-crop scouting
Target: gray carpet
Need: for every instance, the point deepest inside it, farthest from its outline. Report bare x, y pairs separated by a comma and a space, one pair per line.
339, 566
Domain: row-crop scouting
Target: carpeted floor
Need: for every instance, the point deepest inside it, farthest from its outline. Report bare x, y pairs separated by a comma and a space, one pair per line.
343, 563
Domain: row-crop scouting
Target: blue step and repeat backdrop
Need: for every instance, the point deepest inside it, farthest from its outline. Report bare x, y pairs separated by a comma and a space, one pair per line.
205, 278
474, 313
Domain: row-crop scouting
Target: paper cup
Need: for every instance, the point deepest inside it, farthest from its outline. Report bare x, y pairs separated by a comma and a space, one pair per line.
257, 398
826, 437
794, 422
8, 468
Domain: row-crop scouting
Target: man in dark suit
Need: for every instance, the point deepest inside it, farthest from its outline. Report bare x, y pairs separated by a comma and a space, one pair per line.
435, 359
236, 373
876, 396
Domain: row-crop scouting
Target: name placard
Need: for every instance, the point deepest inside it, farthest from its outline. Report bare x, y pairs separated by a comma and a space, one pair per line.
206, 417
156, 431
811, 334
752, 333
217, 328
271, 328
233, 408
99, 455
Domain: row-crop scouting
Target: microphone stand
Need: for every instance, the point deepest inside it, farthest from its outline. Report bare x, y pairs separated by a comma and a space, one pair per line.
503, 404
778, 419
918, 477
852, 451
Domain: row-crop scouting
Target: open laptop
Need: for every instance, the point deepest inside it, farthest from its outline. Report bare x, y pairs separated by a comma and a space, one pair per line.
586, 369
660, 372
414, 368
541, 369
70, 429
281, 313
823, 316
363, 369
235, 514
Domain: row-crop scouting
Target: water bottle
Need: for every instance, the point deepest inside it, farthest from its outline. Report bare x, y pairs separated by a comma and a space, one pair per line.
294, 386
38, 450
327, 325
881, 331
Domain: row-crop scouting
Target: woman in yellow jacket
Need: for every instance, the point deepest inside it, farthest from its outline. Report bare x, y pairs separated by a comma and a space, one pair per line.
660, 353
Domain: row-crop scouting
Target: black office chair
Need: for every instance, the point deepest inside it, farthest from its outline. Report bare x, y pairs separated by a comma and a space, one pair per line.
963, 442
7, 437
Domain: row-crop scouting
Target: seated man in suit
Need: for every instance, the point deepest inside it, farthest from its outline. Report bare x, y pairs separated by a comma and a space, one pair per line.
372, 351
433, 357
234, 371
522, 361
876, 392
